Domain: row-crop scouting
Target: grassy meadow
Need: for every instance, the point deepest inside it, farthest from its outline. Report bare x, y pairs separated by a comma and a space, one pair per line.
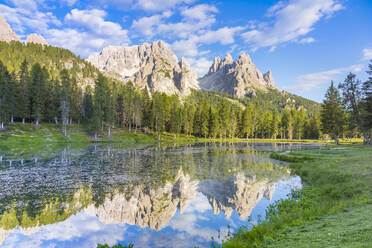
333, 209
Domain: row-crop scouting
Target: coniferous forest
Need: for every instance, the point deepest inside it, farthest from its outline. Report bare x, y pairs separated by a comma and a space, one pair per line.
47, 92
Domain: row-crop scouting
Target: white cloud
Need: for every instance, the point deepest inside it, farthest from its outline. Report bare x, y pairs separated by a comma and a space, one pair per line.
186, 48
25, 4
193, 20
200, 65
199, 12
89, 33
93, 20
367, 54
291, 21
145, 25
314, 80
159, 5
25, 16
306, 40
189, 47
70, 2
79, 230
223, 35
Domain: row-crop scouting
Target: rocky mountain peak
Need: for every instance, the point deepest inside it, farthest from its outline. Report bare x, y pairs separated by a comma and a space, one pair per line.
239, 78
244, 58
6, 32
268, 77
152, 66
37, 39
228, 59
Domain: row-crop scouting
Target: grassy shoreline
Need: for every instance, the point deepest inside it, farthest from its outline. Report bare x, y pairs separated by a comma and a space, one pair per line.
332, 210
28, 141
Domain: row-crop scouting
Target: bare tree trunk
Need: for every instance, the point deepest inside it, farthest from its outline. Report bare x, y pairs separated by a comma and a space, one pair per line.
109, 131
23, 121
12, 119
56, 120
37, 123
2, 125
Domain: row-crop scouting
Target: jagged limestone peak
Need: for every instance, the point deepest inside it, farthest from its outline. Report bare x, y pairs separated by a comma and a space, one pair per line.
240, 78
152, 66
228, 59
37, 39
6, 32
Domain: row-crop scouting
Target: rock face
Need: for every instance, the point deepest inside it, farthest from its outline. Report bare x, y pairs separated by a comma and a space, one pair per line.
239, 78
37, 39
154, 66
6, 33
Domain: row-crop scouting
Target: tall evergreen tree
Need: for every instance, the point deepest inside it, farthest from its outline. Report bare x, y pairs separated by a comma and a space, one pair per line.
39, 78
366, 111
332, 114
351, 98
66, 95
4, 95
24, 96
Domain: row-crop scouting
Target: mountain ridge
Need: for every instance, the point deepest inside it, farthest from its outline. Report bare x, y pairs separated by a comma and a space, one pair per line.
154, 66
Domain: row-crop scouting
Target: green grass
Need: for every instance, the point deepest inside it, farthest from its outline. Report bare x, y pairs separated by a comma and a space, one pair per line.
349, 228
338, 185
27, 141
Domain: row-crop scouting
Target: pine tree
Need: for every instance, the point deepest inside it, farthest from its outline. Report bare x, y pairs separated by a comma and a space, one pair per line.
4, 95
66, 94
332, 114
366, 111
24, 96
39, 78
351, 98
287, 123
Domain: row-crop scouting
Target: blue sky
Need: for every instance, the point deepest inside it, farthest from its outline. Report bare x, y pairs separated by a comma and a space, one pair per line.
305, 43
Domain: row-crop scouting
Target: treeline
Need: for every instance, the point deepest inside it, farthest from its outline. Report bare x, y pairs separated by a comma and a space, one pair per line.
33, 95
347, 111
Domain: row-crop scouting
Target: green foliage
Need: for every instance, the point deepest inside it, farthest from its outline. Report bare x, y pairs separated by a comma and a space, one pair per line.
51, 91
332, 114
13, 54
334, 179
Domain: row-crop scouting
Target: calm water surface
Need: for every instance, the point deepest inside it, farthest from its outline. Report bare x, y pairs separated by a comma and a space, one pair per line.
154, 197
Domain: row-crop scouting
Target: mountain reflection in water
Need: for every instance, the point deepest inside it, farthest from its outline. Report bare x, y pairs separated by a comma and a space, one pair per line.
155, 197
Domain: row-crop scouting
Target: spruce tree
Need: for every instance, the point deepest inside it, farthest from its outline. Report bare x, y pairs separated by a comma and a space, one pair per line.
366, 111
4, 95
352, 95
332, 114
24, 96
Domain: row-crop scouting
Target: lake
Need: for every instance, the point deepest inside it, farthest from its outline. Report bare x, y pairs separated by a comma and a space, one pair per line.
154, 197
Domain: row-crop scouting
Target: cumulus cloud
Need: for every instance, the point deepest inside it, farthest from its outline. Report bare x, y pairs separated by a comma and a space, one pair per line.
145, 25
193, 19
314, 80
89, 32
306, 40
201, 65
25, 15
190, 47
70, 2
291, 20
367, 54
77, 231
159, 5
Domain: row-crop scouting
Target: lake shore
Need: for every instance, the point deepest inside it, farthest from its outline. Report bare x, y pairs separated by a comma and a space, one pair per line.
332, 210
28, 141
